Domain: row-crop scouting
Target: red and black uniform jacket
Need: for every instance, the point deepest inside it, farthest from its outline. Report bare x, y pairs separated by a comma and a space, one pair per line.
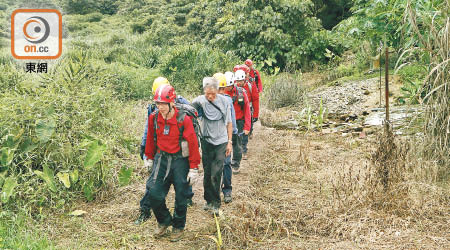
171, 143
254, 73
253, 97
242, 112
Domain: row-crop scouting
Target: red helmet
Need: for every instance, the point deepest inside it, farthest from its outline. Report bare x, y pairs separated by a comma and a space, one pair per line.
245, 68
164, 93
248, 62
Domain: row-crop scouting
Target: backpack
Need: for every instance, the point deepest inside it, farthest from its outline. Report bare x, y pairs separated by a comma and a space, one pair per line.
255, 79
249, 84
183, 110
240, 97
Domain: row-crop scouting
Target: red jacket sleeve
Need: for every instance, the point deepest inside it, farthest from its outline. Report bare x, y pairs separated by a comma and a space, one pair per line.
150, 147
260, 86
247, 113
190, 136
255, 100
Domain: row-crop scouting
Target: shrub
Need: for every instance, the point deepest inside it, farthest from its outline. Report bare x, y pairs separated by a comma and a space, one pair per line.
94, 17
283, 92
76, 26
147, 57
59, 134
130, 83
185, 66
138, 28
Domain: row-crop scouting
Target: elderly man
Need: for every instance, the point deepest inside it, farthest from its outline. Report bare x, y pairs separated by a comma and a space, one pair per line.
216, 143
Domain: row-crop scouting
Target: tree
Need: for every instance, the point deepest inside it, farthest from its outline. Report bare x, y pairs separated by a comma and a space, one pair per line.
278, 33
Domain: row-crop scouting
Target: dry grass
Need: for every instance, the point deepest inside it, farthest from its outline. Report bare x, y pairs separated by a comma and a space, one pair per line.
435, 45
311, 191
296, 191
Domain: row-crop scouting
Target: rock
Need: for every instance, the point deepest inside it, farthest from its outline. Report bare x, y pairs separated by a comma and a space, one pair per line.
366, 92
343, 117
369, 130
358, 129
326, 131
290, 124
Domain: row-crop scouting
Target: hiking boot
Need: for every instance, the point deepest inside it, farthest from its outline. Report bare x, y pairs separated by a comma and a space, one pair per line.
160, 231
235, 170
189, 202
177, 234
227, 198
244, 156
207, 207
143, 217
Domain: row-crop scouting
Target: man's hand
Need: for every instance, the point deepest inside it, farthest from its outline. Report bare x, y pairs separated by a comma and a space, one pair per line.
141, 151
149, 164
229, 148
254, 120
192, 176
246, 132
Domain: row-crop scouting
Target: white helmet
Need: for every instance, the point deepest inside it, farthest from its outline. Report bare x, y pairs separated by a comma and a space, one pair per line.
239, 75
229, 76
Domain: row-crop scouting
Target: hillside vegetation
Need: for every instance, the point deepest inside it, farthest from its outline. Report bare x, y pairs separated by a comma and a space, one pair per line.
71, 135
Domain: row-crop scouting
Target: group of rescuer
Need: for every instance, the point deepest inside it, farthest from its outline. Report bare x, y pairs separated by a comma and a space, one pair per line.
218, 124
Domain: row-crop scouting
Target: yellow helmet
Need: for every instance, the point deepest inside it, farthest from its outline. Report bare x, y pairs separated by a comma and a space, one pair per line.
158, 82
222, 79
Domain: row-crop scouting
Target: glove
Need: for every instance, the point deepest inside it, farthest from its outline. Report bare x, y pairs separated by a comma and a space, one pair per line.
254, 119
141, 152
149, 164
192, 176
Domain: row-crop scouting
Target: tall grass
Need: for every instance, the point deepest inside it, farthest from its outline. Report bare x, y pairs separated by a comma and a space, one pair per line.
286, 90
431, 32
61, 134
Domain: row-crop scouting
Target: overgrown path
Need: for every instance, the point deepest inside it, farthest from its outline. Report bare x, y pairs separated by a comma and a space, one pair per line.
109, 224
290, 194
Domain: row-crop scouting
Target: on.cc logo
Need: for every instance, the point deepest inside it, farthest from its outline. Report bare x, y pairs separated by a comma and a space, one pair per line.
36, 34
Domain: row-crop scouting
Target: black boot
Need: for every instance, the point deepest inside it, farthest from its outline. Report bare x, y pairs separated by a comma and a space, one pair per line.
143, 217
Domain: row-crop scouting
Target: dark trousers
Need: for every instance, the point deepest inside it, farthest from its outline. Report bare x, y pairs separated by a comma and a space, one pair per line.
158, 185
245, 140
237, 145
145, 203
227, 174
245, 137
212, 159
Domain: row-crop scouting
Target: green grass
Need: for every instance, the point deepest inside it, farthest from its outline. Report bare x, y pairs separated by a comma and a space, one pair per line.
17, 231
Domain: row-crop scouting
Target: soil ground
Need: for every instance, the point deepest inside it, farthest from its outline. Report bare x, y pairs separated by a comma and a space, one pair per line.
288, 178
297, 190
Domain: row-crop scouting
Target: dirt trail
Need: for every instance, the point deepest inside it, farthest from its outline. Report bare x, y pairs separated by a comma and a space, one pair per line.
109, 224
283, 199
